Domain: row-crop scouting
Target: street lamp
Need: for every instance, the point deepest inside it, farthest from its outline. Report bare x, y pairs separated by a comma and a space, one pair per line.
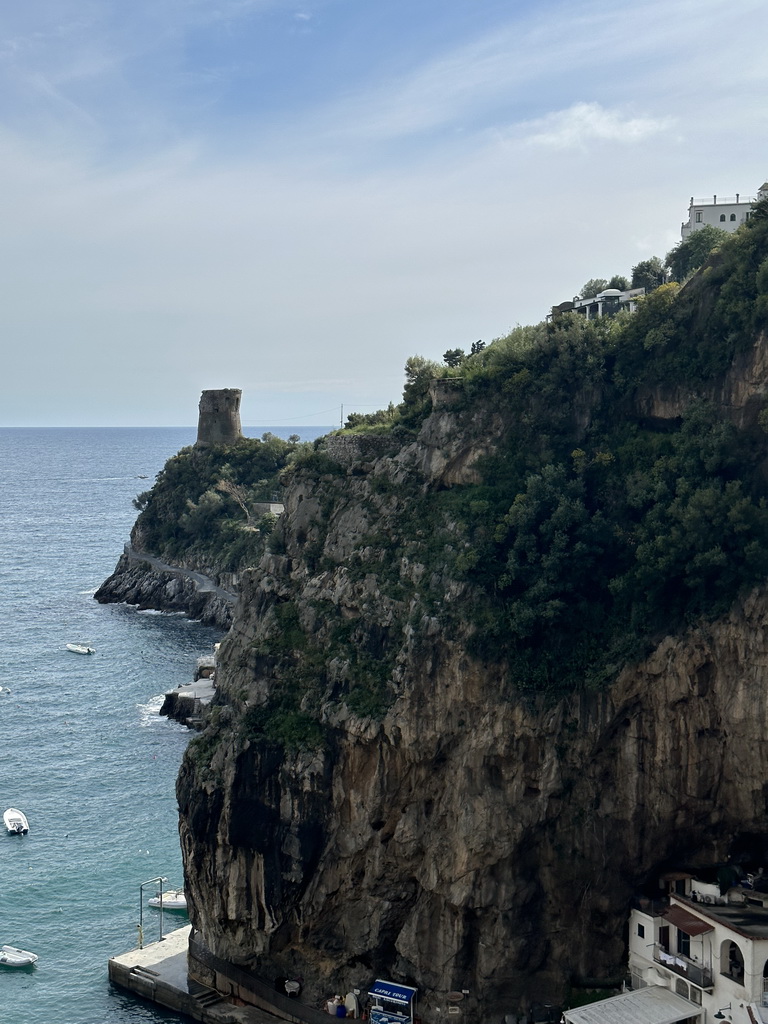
151, 881
720, 1015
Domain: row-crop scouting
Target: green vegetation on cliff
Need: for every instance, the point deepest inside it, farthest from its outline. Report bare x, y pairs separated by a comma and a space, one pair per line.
598, 525
204, 504
621, 496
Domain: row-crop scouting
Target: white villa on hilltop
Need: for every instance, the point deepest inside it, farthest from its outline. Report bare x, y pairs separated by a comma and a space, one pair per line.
720, 212
724, 212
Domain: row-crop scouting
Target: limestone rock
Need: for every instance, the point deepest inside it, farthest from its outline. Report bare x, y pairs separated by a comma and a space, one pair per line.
468, 839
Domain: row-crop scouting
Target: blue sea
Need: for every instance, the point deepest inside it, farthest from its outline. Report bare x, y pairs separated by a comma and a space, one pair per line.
86, 755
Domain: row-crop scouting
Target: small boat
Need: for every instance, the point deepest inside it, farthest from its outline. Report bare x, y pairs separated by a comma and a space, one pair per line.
81, 649
172, 899
10, 956
16, 822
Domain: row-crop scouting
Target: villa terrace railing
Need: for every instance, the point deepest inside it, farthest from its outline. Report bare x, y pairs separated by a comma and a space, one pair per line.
723, 200
683, 966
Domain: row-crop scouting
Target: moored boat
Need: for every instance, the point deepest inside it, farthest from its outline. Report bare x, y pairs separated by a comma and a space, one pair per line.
172, 899
11, 956
16, 821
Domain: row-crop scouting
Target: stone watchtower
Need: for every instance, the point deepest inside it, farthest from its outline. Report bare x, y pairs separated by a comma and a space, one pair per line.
219, 420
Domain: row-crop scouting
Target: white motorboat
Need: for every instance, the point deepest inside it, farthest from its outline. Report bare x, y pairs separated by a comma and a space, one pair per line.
16, 822
172, 899
10, 956
81, 649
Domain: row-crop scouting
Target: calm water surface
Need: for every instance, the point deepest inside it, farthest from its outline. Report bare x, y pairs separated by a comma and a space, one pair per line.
85, 753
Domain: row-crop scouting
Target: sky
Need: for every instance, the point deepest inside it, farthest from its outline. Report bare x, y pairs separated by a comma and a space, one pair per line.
293, 198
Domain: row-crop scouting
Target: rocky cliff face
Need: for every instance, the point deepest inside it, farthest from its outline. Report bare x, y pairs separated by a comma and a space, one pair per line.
142, 580
466, 838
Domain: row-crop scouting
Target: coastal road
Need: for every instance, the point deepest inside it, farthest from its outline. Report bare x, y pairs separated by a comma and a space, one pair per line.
203, 584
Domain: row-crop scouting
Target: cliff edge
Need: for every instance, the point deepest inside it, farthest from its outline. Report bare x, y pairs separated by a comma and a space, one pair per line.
501, 661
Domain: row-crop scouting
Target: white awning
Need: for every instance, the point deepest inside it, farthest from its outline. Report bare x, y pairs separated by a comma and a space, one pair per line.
652, 1005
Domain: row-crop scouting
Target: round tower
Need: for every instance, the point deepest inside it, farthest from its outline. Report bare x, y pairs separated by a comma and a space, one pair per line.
219, 419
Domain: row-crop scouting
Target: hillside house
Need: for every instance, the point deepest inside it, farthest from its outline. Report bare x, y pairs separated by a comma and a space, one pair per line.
724, 212
605, 303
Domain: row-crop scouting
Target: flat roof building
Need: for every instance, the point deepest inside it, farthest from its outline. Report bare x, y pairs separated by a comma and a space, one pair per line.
726, 212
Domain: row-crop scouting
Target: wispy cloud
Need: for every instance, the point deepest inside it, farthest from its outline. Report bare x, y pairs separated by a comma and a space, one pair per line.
206, 189
589, 122
525, 67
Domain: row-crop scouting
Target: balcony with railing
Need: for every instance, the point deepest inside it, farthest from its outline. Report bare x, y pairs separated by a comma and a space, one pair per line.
685, 967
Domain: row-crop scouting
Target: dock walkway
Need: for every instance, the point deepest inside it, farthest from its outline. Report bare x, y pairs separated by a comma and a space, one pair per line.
158, 972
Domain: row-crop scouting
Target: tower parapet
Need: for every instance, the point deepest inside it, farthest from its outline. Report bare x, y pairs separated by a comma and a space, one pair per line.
219, 419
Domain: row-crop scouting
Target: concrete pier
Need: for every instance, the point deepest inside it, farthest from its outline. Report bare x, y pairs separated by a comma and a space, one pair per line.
186, 703
158, 972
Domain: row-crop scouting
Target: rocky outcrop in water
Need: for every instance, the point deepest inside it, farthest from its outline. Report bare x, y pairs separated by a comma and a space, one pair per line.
144, 581
194, 580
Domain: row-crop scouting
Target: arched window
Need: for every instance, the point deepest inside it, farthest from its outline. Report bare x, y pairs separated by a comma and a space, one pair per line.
731, 961
722, 216
733, 216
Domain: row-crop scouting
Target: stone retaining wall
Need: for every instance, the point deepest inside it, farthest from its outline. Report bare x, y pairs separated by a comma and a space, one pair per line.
352, 449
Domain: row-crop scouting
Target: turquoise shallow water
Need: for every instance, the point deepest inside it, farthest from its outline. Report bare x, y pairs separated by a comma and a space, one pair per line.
85, 753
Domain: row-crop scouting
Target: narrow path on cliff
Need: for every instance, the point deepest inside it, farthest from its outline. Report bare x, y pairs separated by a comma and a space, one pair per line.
203, 584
